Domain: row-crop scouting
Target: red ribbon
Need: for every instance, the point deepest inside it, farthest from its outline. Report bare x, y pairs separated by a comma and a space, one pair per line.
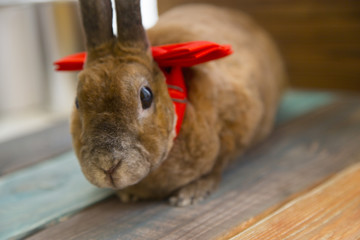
171, 59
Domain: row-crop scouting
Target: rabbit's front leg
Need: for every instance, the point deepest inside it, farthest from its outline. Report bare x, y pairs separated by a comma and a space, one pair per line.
126, 197
197, 190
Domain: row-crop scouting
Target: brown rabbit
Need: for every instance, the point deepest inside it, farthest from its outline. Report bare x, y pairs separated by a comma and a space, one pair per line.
123, 125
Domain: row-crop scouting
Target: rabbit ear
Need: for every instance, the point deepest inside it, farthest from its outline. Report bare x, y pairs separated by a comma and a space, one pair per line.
129, 24
97, 21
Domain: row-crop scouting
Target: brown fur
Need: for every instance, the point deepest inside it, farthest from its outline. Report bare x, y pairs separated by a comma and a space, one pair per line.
231, 106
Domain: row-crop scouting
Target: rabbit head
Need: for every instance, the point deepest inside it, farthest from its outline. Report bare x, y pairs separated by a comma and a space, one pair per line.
123, 121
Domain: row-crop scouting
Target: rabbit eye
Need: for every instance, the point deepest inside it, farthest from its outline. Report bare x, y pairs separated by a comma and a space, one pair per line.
146, 97
77, 103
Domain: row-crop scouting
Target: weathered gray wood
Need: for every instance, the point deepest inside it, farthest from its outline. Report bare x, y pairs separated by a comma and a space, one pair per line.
58, 184
328, 211
43, 193
41, 145
297, 155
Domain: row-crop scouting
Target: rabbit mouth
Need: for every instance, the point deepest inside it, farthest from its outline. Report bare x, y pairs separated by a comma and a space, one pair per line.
116, 170
110, 172
122, 174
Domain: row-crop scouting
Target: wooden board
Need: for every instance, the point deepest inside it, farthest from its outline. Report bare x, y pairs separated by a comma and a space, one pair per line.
41, 145
319, 39
43, 193
329, 211
296, 156
297, 103
50, 181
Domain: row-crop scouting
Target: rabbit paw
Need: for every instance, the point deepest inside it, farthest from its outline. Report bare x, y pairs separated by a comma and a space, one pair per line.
195, 191
126, 197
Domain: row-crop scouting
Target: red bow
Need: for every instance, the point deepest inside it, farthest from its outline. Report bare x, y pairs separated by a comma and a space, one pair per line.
170, 58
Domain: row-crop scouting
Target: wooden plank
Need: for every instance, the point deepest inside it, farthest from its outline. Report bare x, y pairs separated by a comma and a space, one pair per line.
297, 103
65, 173
329, 211
41, 145
297, 155
42, 194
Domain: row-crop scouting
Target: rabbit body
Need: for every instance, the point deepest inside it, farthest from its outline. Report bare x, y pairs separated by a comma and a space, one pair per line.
231, 106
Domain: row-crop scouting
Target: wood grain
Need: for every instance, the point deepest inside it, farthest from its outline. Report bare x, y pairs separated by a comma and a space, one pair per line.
329, 211
21, 152
60, 182
299, 154
43, 193
319, 39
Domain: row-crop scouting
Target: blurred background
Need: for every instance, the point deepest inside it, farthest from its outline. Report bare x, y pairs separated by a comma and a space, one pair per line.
33, 34
319, 39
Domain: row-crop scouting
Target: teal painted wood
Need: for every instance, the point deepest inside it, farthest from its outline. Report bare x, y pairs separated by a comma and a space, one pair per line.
297, 103
43, 193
